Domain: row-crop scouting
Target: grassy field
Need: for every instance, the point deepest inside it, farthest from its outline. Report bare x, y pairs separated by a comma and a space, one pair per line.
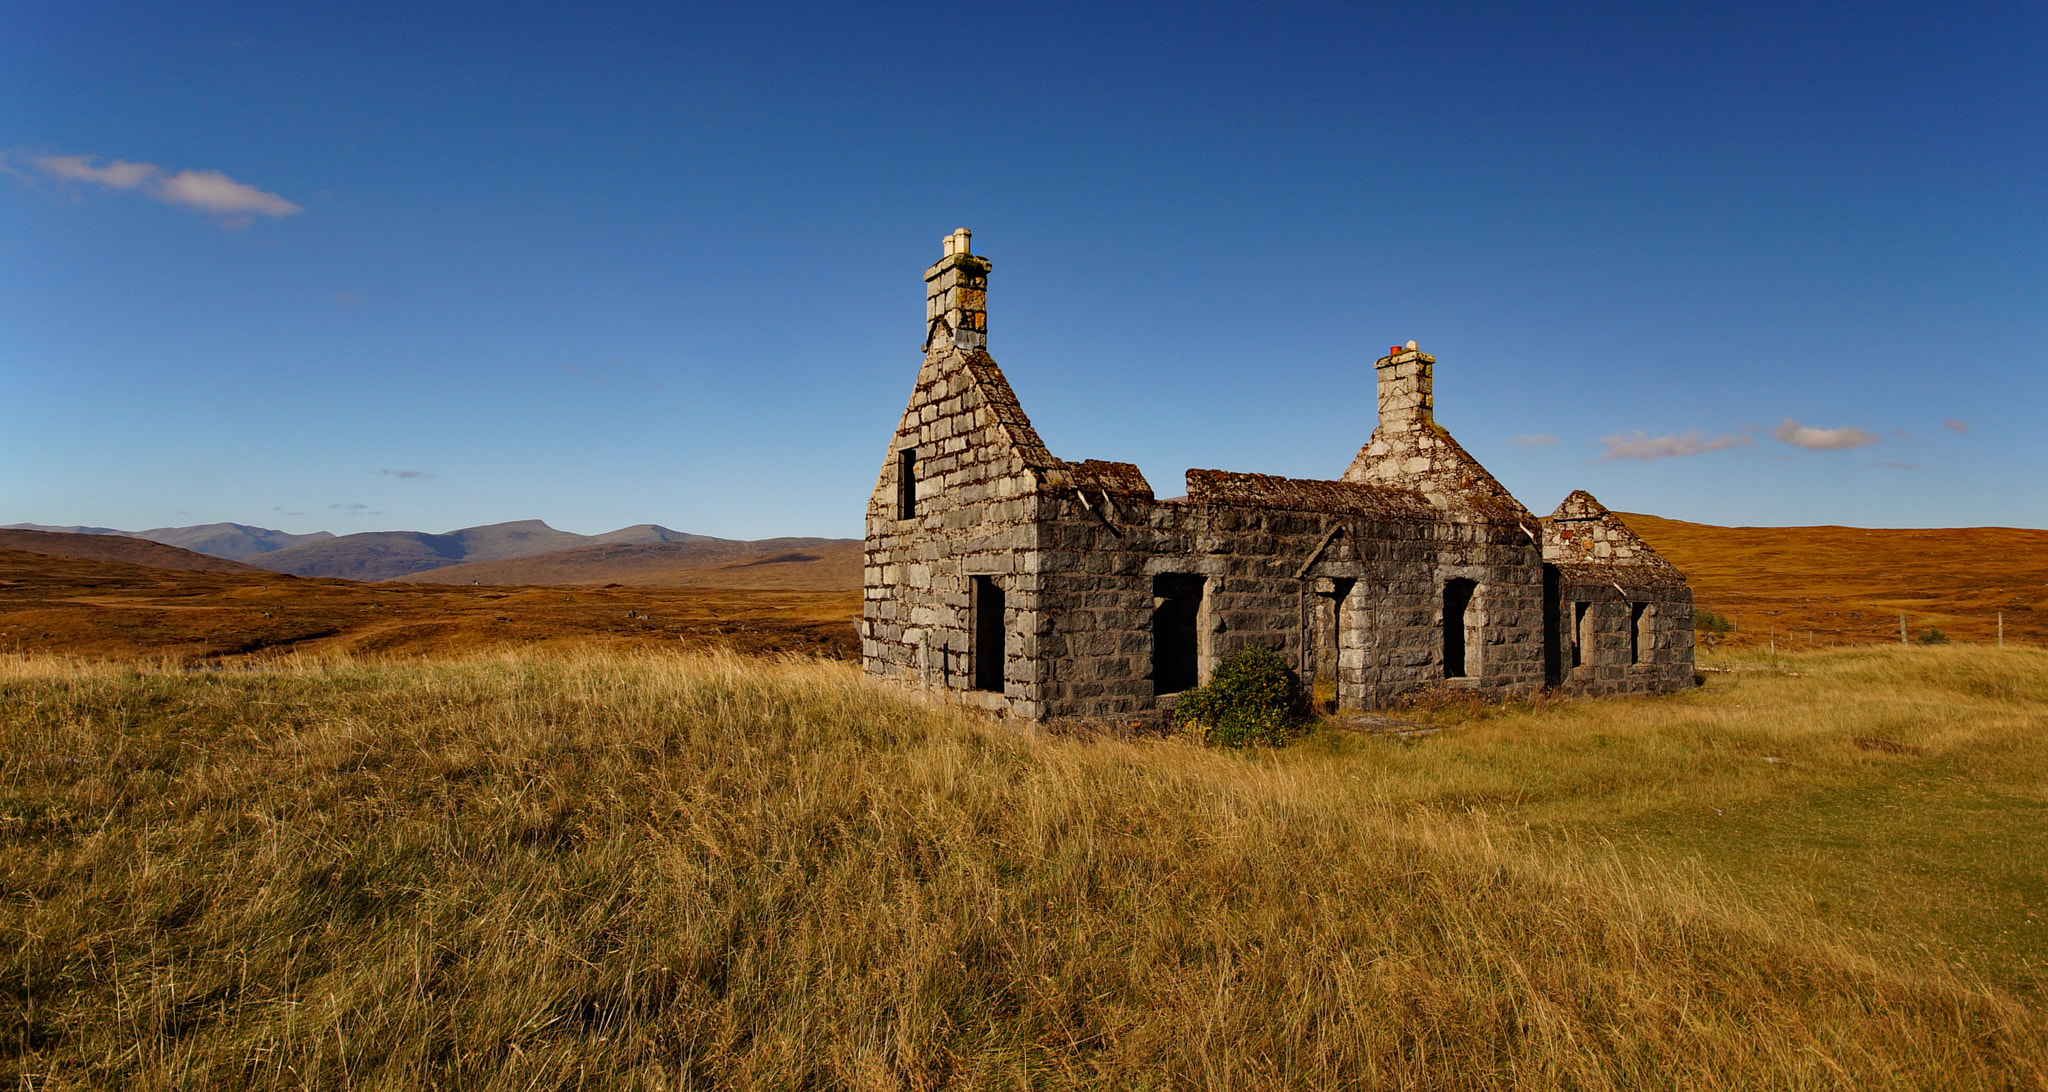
554, 869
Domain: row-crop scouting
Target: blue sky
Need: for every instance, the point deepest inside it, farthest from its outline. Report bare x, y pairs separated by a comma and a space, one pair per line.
369, 266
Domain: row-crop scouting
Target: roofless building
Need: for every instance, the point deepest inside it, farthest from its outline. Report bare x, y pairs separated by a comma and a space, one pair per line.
1011, 579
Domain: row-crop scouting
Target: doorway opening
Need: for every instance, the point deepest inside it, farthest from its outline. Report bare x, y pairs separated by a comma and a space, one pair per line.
1328, 630
1553, 628
1176, 636
1457, 611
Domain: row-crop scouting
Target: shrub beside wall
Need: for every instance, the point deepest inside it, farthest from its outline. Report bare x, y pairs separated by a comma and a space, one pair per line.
1253, 697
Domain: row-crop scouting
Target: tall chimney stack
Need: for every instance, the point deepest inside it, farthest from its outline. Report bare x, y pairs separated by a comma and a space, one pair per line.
956, 294
1407, 395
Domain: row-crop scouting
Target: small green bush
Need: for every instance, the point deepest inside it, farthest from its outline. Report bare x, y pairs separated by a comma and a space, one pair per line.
1709, 622
1253, 697
1934, 637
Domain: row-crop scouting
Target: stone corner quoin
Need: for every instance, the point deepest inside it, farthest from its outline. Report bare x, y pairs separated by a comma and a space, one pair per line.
999, 575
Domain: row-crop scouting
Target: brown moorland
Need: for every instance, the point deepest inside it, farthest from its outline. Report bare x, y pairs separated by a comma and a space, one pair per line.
1818, 587
109, 610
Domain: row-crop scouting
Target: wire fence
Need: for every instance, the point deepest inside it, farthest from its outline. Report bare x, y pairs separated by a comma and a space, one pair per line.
1713, 629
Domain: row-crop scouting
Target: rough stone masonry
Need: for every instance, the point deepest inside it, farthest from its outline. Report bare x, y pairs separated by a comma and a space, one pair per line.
1000, 575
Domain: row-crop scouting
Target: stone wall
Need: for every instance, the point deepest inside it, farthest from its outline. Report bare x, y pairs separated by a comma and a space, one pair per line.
976, 475
1263, 573
1630, 640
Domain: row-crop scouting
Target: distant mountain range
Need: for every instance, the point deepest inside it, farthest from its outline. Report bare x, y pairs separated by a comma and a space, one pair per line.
655, 551
796, 564
384, 555
234, 541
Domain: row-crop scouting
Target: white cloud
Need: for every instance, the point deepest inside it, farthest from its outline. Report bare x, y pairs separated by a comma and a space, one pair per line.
214, 192
1954, 425
405, 473
1821, 439
207, 191
1650, 448
1536, 440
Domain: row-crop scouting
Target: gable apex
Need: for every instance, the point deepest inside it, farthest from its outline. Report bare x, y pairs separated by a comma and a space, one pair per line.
1579, 505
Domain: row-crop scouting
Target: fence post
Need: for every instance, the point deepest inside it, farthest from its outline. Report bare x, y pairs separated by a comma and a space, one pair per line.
1902, 627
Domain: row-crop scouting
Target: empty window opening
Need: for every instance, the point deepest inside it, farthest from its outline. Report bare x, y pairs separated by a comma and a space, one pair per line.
1176, 639
1635, 631
1582, 632
1457, 611
906, 483
990, 655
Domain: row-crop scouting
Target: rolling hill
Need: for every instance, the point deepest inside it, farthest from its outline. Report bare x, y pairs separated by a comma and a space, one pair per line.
118, 549
797, 564
1818, 586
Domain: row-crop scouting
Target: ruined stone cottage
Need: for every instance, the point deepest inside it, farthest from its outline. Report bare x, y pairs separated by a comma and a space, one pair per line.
1006, 577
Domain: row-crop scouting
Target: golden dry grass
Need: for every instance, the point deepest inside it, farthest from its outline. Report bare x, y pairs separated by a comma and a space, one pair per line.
541, 870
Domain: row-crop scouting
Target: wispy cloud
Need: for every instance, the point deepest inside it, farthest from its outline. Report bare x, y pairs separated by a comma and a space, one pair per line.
210, 192
1954, 425
1891, 466
404, 474
1821, 439
1651, 448
354, 509
1536, 440
118, 175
